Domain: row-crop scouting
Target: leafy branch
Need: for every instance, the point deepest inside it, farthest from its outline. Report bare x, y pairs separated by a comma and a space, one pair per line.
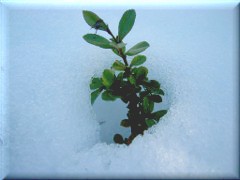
126, 82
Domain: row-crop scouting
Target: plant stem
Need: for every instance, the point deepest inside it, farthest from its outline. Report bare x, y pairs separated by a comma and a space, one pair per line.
133, 102
134, 114
110, 32
123, 56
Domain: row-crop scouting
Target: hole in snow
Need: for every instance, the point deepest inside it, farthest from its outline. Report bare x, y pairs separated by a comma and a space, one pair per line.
109, 115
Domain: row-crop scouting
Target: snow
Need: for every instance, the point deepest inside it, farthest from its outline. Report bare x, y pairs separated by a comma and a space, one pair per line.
53, 131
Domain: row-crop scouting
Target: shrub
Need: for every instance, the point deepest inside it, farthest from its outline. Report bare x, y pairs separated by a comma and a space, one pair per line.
128, 82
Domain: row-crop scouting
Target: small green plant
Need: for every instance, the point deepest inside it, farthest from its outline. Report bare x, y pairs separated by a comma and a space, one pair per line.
129, 82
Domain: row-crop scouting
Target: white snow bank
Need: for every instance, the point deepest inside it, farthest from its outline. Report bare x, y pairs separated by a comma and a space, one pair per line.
54, 131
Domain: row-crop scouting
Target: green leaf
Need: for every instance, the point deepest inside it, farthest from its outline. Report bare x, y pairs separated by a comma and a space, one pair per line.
132, 80
151, 106
96, 83
118, 65
120, 76
108, 78
94, 21
118, 138
159, 91
116, 51
118, 45
140, 47
126, 23
94, 95
134, 70
153, 85
107, 96
138, 60
150, 122
124, 49
144, 93
97, 41
125, 123
141, 72
158, 114
148, 105
90, 17
155, 98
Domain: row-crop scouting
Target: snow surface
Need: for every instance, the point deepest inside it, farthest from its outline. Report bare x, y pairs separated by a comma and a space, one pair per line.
53, 131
